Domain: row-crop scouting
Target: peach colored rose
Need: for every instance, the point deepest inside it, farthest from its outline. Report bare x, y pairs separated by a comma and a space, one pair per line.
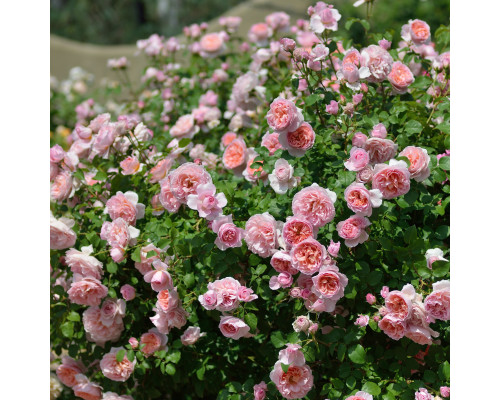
153, 341
380, 150
297, 142
353, 230
296, 230
392, 326
160, 170
361, 200
250, 173
87, 291
145, 265
114, 370
125, 205
185, 179
392, 180
67, 371
329, 283
399, 304
293, 384
227, 138
191, 335
315, 204
235, 155
271, 142
184, 127
308, 256
282, 262
130, 165
417, 31
259, 33
233, 328
167, 300
284, 116
61, 234
167, 198
86, 389
98, 332
212, 44
83, 264
419, 162
360, 396
62, 187
261, 234
437, 304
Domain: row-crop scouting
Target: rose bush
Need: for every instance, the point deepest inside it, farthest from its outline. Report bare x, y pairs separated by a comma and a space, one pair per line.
267, 219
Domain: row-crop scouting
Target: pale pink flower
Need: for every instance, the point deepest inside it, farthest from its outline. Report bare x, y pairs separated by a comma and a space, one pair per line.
208, 300
437, 304
417, 31
365, 175
293, 384
97, 331
281, 179
160, 170
433, 255
250, 173
168, 299
259, 34
118, 233
359, 139
114, 370
287, 44
261, 234
379, 131
233, 328
128, 292
271, 142
62, 187
114, 396
333, 248
358, 159
227, 138
159, 277
378, 61
56, 154
301, 324
399, 303
392, 326
392, 180
384, 292
282, 262
167, 198
174, 318
360, 396
315, 204
284, 116
308, 256
297, 229
278, 21
329, 283
191, 335
130, 165
370, 299
332, 108
400, 77
228, 234
82, 264
227, 291
212, 44
327, 18
61, 234
208, 204
362, 320
419, 162
144, 265
67, 371
86, 389
87, 291
423, 394
380, 150
298, 141
445, 391
184, 127
353, 230
292, 355
153, 341
126, 206
361, 200
259, 391
419, 334
185, 179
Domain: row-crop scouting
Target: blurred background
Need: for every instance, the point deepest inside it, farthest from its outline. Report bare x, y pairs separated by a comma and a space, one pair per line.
87, 32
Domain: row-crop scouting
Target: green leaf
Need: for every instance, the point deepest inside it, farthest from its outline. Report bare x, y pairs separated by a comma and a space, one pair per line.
357, 354
101, 176
184, 142
251, 321
277, 339
284, 367
371, 388
131, 355
444, 163
413, 127
260, 269
120, 355
67, 329
136, 255
73, 316
189, 280
170, 369
410, 234
429, 376
111, 267
442, 232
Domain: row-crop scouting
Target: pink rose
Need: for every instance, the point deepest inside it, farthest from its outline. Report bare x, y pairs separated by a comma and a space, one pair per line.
228, 234
56, 153
126, 206
271, 142
282, 262
333, 248
246, 294
168, 299
384, 292
112, 309
160, 170
379, 131
361, 200
399, 303
167, 198
118, 233
296, 230
67, 371
392, 180
282, 179
212, 44
423, 394
284, 116
315, 204
261, 234
370, 299
128, 292
82, 264
145, 265
419, 162
360, 396
191, 335
184, 127
130, 165
208, 204
359, 139
153, 341
227, 291
97, 331
308, 256
259, 391
417, 31
378, 61
227, 138
61, 234
208, 300
380, 150
419, 334
233, 328
114, 396
353, 230
445, 391
298, 141
174, 318
392, 326
62, 187
114, 370
259, 33
433, 255
329, 283
358, 159
186, 179
301, 324
235, 156
293, 384
253, 174
332, 108
437, 304
87, 291
85, 389
362, 320
400, 77
365, 175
